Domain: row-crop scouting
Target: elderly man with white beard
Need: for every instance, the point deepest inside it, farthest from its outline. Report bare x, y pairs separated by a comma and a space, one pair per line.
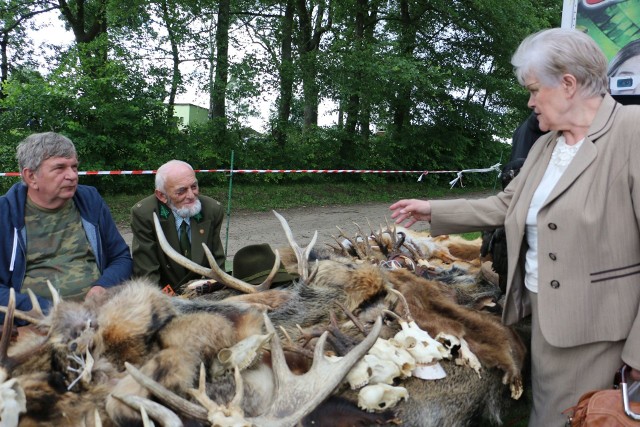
188, 219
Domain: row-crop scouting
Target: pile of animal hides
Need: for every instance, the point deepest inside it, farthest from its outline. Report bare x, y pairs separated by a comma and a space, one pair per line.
388, 327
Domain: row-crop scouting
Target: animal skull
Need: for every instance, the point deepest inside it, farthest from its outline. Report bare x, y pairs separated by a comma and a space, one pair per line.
383, 371
245, 353
372, 370
465, 356
424, 349
395, 352
379, 397
359, 375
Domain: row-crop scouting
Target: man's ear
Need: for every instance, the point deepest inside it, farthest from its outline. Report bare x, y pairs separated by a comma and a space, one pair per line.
29, 177
161, 196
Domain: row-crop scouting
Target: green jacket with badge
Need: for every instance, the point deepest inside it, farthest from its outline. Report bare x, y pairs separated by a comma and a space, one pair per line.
149, 259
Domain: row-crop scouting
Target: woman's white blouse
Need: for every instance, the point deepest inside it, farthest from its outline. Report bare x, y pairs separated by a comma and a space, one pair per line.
560, 159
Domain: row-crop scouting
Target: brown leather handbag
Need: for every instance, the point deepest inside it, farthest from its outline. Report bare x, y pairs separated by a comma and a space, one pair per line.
606, 408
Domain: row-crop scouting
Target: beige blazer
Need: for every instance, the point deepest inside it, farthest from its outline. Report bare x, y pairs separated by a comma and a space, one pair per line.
588, 235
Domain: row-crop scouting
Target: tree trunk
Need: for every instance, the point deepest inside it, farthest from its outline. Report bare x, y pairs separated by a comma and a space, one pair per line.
357, 116
4, 62
219, 95
176, 77
402, 102
88, 29
309, 44
286, 76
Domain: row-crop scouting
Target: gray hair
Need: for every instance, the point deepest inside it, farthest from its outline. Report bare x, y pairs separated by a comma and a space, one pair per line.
37, 148
163, 171
549, 54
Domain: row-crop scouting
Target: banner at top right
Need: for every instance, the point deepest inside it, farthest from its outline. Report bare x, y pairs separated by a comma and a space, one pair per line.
615, 26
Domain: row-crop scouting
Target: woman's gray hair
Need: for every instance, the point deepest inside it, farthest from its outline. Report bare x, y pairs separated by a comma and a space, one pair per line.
37, 148
161, 173
549, 54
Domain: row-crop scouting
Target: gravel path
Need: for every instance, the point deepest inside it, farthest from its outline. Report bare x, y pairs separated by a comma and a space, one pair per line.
246, 228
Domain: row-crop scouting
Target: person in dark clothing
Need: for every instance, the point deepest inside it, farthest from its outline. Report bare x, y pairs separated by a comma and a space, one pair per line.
495, 242
56, 230
524, 137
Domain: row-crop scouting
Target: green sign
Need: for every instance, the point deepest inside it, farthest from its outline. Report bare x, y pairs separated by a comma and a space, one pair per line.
615, 26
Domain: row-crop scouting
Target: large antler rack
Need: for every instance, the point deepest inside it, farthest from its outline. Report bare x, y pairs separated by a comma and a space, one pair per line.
215, 272
35, 316
295, 396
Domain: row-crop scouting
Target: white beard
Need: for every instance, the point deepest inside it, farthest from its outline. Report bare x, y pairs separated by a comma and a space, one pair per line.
186, 212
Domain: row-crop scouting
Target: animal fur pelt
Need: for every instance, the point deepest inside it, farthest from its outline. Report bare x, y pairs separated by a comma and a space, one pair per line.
134, 323
493, 343
92, 353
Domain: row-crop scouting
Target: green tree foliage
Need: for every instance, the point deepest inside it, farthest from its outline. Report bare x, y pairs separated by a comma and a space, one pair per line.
415, 84
116, 120
16, 17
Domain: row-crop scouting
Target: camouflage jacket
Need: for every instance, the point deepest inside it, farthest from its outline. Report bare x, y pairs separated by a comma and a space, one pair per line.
111, 251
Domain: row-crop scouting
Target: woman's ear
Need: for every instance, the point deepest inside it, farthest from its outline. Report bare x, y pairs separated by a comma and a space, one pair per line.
570, 84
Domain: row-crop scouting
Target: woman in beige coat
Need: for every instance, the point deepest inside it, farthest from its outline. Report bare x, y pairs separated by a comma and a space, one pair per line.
572, 219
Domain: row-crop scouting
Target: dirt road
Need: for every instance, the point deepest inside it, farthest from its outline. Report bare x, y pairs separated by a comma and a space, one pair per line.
246, 228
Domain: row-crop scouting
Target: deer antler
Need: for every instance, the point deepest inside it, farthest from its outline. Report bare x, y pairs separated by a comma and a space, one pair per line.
302, 254
11, 391
215, 272
405, 305
298, 395
36, 316
352, 241
295, 395
161, 414
5, 360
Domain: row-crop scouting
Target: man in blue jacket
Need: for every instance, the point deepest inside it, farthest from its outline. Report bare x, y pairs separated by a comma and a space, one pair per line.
54, 229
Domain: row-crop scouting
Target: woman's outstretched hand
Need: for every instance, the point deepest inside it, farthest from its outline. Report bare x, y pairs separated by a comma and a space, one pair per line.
411, 210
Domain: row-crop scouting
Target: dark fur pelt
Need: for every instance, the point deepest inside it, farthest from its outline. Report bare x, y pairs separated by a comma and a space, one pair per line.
437, 403
340, 412
493, 343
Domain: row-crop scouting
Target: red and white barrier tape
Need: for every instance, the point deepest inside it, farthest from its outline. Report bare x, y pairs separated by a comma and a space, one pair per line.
249, 171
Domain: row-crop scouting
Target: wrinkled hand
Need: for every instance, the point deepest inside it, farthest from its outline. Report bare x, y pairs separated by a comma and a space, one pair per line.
193, 284
411, 210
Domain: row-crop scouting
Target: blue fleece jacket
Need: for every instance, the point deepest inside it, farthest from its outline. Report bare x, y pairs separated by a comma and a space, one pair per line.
111, 251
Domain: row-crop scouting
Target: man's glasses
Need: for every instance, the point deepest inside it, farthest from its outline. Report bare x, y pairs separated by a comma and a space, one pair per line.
624, 82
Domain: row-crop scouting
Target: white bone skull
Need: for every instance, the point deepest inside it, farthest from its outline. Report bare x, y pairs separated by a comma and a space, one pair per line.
359, 375
382, 371
372, 369
465, 356
379, 397
394, 351
244, 353
424, 349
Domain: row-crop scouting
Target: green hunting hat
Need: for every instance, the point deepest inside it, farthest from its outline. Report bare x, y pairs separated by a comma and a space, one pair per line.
253, 263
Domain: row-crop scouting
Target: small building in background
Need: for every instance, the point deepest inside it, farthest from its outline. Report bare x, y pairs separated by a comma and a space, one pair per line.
189, 114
